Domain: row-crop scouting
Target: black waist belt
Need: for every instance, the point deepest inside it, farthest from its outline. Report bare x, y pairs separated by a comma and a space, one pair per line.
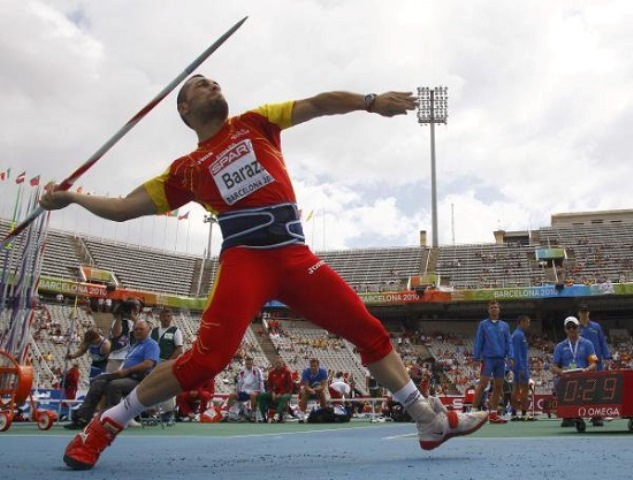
266, 227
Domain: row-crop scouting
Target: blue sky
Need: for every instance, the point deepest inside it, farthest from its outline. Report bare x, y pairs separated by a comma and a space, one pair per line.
540, 107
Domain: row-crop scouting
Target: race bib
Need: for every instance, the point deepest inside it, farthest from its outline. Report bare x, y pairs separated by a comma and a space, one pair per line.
237, 172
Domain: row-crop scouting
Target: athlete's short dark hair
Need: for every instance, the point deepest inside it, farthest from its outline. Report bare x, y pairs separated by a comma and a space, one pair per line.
182, 96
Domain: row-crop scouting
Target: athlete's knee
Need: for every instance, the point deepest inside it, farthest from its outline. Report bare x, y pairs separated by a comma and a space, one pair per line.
191, 371
376, 349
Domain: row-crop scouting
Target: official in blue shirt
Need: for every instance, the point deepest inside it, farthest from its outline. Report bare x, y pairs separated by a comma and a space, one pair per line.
493, 346
521, 370
593, 331
575, 352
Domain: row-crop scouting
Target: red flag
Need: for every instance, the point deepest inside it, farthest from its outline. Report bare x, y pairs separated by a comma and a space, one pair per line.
35, 181
20, 178
184, 216
3, 176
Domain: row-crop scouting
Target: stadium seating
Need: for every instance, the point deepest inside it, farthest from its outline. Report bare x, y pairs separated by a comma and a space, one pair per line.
600, 253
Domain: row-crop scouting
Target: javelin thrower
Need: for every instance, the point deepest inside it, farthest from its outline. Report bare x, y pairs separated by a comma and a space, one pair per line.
238, 173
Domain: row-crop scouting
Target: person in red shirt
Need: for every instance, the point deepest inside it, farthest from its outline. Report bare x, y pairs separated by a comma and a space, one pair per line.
195, 402
279, 386
239, 174
71, 382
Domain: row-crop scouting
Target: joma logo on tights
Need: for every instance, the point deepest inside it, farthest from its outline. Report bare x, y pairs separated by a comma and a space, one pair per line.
315, 267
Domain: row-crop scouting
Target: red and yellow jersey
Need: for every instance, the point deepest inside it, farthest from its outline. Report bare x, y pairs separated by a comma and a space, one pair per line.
241, 166
279, 381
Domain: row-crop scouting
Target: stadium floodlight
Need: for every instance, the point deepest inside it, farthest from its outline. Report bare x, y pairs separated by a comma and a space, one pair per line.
432, 109
210, 219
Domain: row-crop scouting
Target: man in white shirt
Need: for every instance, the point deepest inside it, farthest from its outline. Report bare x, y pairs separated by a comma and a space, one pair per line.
339, 388
250, 383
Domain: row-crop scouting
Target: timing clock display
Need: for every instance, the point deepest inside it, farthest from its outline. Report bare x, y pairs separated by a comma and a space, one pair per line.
589, 390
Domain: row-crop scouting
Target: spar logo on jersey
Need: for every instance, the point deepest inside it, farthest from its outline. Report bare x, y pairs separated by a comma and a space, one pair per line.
228, 156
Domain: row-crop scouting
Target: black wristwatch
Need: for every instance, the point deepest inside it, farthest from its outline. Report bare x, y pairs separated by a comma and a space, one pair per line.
369, 99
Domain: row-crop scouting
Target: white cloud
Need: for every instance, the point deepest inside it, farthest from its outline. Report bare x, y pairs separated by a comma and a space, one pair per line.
540, 105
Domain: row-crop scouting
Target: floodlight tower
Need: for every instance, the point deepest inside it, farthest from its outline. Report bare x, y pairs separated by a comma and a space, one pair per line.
211, 220
432, 109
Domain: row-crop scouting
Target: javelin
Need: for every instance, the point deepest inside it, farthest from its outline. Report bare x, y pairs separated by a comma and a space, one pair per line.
68, 182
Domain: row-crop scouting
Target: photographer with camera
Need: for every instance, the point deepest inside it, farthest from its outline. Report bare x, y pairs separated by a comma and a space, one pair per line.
121, 338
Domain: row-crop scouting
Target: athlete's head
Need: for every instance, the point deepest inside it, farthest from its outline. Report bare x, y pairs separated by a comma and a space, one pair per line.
493, 310
279, 362
200, 100
314, 365
92, 336
248, 362
524, 322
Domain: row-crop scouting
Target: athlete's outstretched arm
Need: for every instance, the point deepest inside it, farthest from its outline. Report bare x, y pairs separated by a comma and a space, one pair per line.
387, 104
136, 204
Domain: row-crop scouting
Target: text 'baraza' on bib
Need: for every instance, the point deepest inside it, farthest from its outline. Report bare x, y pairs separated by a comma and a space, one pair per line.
237, 172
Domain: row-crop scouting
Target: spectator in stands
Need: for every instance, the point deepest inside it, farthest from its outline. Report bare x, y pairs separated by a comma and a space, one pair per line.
250, 383
193, 403
279, 387
125, 315
245, 182
98, 347
140, 360
573, 353
521, 370
493, 346
170, 341
313, 387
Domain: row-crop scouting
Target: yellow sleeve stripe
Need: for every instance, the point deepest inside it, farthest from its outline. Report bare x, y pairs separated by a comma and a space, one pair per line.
278, 113
156, 190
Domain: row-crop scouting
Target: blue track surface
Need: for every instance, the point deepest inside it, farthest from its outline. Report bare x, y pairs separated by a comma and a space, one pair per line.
385, 451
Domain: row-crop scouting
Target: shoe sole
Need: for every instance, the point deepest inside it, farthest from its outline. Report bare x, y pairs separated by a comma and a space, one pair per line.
76, 464
426, 445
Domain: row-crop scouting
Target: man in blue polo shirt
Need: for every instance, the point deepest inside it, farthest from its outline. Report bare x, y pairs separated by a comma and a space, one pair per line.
573, 353
493, 346
313, 386
140, 360
593, 331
